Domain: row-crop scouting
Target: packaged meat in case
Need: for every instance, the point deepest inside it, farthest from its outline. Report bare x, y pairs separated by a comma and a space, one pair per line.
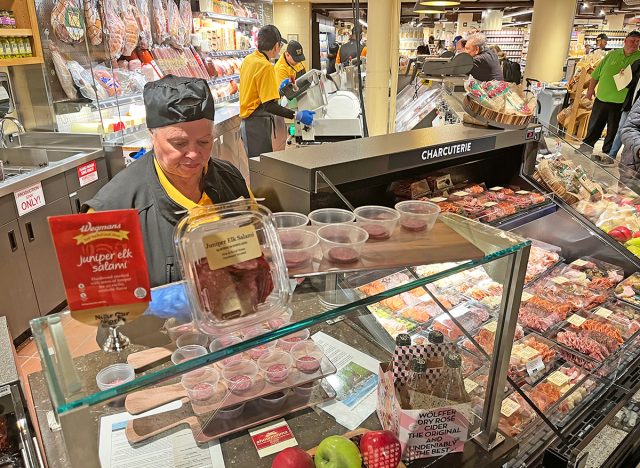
233, 264
469, 315
541, 314
515, 415
531, 357
620, 313
629, 290
577, 294
595, 274
486, 336
568, 385
542, 256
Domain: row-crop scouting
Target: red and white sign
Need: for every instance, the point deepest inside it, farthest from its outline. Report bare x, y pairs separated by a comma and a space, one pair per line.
87, 173
29, 199
101, 256
272, 438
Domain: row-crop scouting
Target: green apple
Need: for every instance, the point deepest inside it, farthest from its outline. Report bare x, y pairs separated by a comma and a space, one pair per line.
337, 452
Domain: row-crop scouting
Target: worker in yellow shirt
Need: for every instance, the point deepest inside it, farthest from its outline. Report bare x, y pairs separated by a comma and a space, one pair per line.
259, 94
290, 63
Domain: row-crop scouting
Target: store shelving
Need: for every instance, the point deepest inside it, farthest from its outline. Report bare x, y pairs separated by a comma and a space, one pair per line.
237, 19
511, 42
616, 37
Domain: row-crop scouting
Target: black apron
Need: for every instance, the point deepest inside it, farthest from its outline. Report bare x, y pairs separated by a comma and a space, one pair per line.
257, 131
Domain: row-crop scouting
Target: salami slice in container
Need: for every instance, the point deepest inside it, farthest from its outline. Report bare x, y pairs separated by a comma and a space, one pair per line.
233, 265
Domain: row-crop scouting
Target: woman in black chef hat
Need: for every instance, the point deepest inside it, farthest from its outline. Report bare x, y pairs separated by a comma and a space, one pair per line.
177, 175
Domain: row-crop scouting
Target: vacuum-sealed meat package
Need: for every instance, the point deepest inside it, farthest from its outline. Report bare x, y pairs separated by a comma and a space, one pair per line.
233, 265
93, 21
115, 28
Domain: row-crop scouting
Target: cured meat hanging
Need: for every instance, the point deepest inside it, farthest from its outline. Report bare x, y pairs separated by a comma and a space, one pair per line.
131, 31
159, 16
67, 21
115, 28
187, 16
141, 12
177, 30
93, 22
64, 76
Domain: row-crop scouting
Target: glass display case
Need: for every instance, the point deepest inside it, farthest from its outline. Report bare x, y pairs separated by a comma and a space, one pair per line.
74, 380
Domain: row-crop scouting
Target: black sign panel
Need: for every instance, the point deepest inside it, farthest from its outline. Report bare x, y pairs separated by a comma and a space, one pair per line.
440, 153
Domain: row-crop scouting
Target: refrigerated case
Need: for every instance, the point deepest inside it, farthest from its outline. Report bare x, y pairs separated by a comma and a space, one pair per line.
323, 34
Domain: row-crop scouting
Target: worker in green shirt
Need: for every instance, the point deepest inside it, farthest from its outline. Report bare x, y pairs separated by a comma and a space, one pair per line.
607, 107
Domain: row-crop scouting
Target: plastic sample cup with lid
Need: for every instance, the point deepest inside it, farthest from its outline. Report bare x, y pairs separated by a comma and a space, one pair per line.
240, 376
202, 387
330, 216
342, 243
114, 375
258, 351
289, 341
378, 221
417, 215
187, 353
224, 342
274, 400
307, 356
298, 246
289, 220
276, 366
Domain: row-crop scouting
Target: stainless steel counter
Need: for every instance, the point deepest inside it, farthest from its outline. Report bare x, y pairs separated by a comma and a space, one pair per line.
65, 151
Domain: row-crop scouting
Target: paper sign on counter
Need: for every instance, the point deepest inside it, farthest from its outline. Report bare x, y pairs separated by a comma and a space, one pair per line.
558, 379
273, 437
604, 312
576, 320
509, 407
527, 353
29, 199
579, 262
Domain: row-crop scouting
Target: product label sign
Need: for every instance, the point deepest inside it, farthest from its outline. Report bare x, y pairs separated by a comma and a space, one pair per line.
87, 173
489, 204
438, 199
101, 257
527, 353
522, 192
461, 193
29, 199
440, 152
576, 320
419, 189
535, 366
231, 247
509, 407
604, 312
559, 280
526, 296
433, 432
272, 438
491, 326
496, 188
470, 385
558, 379
579, 262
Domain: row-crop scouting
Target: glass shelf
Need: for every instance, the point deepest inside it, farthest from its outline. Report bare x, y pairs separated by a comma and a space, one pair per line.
72, 386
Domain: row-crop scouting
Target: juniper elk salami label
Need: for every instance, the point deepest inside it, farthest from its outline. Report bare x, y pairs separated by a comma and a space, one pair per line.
101, 257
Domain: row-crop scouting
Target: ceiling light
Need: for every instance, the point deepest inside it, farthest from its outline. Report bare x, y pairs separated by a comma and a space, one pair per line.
520, 23
518, 13
601, 12
427, 10
439, 3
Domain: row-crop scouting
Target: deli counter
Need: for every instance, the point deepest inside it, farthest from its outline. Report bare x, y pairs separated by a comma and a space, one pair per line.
526, 238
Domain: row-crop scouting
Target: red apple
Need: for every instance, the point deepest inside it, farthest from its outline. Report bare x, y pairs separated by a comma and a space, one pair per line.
292, 457
380, 449
636, 234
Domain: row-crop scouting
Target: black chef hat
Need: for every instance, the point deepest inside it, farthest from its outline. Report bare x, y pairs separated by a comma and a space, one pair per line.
175, 99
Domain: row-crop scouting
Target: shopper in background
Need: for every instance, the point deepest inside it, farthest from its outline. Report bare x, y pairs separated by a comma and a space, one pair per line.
460, 46
177, 175
607, 107
601, 41
632, 97
432, 40
510, 70
486, 64
630, 134
422, 50
440, 48
349, 50
332, 55
290, 62
259, 94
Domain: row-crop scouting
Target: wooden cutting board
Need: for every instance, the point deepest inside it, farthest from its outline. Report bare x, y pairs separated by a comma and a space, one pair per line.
149, 357
402, 249
151, 398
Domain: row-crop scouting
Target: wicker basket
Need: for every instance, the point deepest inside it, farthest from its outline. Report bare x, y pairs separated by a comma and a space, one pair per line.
546, 174
512, 120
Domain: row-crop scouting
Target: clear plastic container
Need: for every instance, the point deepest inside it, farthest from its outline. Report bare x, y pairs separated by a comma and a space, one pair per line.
187, 353
305, 390
202, 387
274, 400
342, 243
231, 412
275, 366
307, 356
298, 246
224, 342
330, 216
114, 375
417, 216
240, 376
378, 221
233, 266
187, 339
257, 352
290, 341
290, 220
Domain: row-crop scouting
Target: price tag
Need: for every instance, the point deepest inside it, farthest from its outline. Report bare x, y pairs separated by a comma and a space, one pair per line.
460, 194
559, 279
496, 188
470, 385
489, 204
438, 199
509, 407
558, 379
579, 262
576, 320
535, 366
527, 353
526, 296
522, 192
604, 312
491, 326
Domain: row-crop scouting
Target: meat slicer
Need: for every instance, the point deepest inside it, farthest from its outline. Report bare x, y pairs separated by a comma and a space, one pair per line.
337, 114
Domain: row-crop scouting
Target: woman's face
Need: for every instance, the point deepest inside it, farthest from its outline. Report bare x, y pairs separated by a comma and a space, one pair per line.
183, 149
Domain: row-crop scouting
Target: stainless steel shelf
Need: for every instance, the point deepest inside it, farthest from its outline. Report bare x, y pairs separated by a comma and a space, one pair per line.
238, 19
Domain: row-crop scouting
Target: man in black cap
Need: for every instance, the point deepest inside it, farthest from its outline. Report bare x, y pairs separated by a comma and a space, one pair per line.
601, 42
177, 175
259, 94
290, 63
332, 55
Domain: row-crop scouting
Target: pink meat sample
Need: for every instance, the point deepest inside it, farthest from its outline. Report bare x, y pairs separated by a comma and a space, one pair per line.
236, 290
